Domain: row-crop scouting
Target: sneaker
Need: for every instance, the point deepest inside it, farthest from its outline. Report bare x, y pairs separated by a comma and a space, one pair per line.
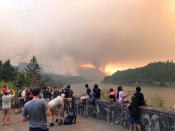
51, 124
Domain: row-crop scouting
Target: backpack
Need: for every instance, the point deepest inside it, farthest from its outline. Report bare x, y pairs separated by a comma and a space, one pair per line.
71, 118
91, 95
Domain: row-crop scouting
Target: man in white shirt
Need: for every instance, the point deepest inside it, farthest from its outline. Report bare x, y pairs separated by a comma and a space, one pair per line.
6, 106
56, 107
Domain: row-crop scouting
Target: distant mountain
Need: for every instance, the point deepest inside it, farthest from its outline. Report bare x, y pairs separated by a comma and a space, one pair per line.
56, 80
153, 74
61, 80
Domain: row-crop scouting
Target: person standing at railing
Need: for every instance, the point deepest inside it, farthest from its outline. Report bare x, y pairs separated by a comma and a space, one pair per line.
139, 97
134, 113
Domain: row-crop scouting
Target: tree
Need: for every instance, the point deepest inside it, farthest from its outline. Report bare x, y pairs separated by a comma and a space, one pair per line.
33, 73
7, 72
22, 79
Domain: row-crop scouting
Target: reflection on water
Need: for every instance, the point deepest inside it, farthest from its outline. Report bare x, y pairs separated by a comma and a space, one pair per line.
167, 93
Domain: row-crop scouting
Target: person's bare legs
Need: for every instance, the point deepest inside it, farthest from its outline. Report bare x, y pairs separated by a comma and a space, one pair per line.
59, 118
51, 118
8, 117
131, 127
63, 113
3, 119
139, 127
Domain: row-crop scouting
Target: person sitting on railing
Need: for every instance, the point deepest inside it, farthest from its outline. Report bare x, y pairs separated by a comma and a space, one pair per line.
97, 92
121, 96
88, 94
112, 95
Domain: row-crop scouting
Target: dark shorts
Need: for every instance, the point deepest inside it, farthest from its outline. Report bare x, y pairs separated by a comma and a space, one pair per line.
38, 129
22, 102
112, 97
134, 120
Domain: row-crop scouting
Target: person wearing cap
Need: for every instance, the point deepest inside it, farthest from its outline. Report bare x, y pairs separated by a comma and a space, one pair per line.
4, 89
6, 105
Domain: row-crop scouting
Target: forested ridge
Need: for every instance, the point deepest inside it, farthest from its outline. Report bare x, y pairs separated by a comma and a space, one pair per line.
31, 74
153, 74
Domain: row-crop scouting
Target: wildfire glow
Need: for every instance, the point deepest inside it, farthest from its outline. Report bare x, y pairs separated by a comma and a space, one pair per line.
87, 66
172, 5
110, 69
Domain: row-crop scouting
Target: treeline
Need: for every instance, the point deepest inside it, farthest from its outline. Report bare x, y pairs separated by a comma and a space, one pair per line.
154, 74
7, 71
31, 76
56, 80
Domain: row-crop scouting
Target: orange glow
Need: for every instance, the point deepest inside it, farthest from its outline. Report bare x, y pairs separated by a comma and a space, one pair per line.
87, 66
172, 5
110, 69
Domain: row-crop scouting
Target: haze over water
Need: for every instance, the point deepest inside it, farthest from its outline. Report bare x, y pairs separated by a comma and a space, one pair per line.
167, 93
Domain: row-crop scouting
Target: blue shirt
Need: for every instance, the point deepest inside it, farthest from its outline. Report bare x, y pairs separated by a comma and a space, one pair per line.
36, 111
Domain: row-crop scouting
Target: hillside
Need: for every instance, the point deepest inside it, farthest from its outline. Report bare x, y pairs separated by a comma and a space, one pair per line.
153, 74
56, 80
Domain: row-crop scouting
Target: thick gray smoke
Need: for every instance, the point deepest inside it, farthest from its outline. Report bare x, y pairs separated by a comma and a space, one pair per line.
65, 33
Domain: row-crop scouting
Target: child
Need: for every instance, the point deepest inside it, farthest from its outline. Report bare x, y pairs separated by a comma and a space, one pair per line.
112, 95
134, 113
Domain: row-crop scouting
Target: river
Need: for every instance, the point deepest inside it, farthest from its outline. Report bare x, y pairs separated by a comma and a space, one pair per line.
165, 93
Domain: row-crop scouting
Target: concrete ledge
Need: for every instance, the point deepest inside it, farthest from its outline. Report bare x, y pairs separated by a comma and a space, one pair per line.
151, 119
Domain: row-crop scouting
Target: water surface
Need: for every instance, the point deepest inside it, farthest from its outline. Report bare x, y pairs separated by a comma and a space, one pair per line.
167, 93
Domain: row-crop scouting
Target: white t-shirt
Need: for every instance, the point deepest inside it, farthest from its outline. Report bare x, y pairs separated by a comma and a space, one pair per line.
55, 102
23, 94
63, 95
7, 101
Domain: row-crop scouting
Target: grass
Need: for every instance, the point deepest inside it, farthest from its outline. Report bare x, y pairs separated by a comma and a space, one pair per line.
157, 101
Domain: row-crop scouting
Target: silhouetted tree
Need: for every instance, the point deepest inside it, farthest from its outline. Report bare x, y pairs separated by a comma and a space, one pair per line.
33, 73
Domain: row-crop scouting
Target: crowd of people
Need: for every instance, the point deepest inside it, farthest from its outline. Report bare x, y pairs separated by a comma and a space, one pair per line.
137, 100
37, 104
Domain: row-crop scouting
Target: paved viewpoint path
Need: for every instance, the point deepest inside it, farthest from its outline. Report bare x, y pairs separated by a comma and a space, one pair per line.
83, 124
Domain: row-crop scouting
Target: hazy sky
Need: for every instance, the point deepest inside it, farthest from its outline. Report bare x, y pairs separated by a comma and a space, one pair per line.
63, 34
